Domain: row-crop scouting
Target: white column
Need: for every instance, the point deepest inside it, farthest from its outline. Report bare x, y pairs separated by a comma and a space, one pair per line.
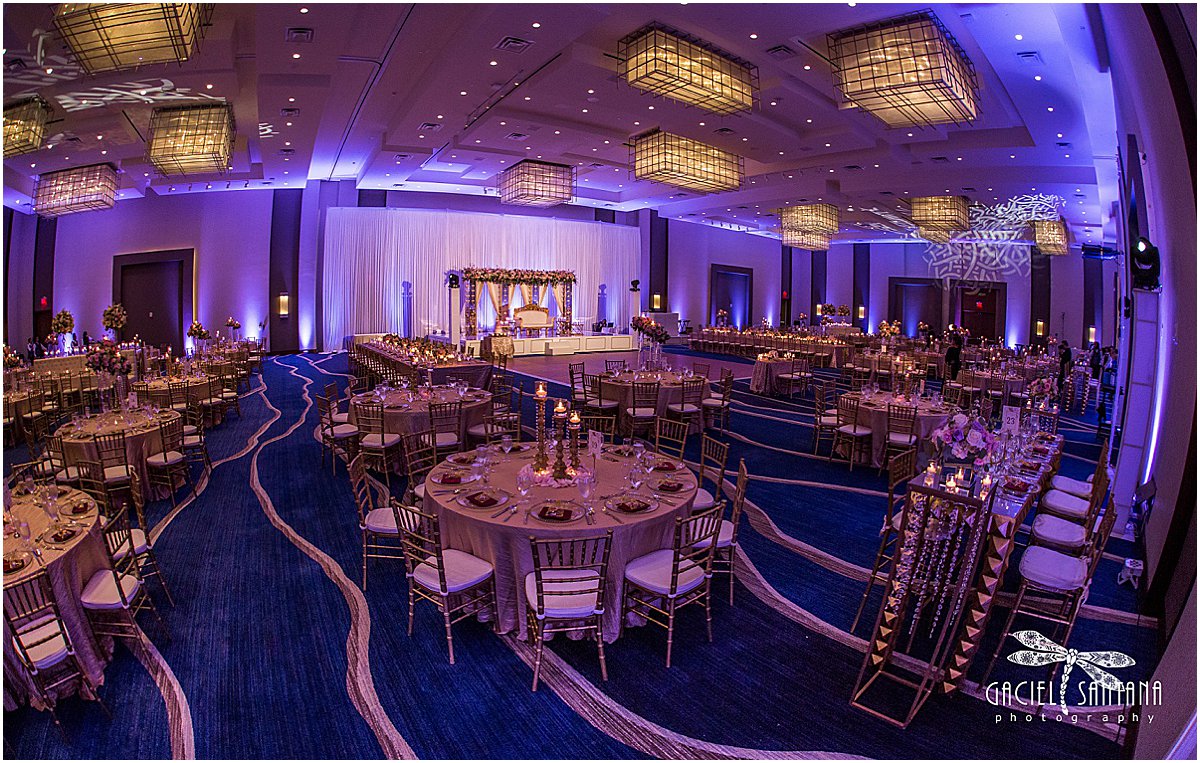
455, 316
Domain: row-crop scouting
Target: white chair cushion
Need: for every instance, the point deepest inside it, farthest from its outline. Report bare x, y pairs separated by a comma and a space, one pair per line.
1058, 531
724, 536
704, 500
1053, 569
340, 418
565, 606
190, 429
49, 652
652, 572
344, 430
1077, 488
116, 474
70, 474
192, 441
419, 491
603, 404
713, 402
101, 590
899, 438
829, 421
855, 430
170, 458
382, 521
385, 440
462, 571
446, 439
641, 413
141, 544
484, 430
683, 408
1064, 503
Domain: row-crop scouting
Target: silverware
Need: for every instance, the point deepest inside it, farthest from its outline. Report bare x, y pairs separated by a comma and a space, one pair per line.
614, 517
498, 513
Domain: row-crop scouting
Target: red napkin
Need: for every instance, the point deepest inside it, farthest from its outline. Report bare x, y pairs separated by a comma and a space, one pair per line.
450, 479
556, 513
482, 499
670, 487
664, 466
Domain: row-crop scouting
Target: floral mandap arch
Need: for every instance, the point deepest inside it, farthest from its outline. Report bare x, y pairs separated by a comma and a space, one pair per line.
530, 282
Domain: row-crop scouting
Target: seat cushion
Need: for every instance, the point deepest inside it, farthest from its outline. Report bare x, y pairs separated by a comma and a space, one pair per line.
192, 441
602, 404
1065, 504
344, 430
381, 520
446, 439
101, 590
724, 536
829, 421
340, 418
141, 544
713, 402
683, 408
565, 606
170, 458
485, 430
899, 438
652, 572
1058, 531
51, 650
1077, 488
641, 413
1053, 569
704, 500
385, 440
69, 474
419, 491
855, 430
462, 571
116, 474
190, 429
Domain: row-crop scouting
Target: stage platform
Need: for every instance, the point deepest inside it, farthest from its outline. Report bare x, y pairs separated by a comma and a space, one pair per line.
556, 345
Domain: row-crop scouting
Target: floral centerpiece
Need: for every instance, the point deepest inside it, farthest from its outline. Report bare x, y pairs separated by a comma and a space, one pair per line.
802, 319
197, 331
512, 277
886, 329
114, 318
104, 357
651, 330
843, 311
233, 323
965, 437
922, 327
1042, 387
12, 358
62, 323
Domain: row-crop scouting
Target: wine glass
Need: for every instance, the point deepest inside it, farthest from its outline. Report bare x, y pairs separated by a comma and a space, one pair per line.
524, 483
637, 475
587, 484
506, 444
23, 535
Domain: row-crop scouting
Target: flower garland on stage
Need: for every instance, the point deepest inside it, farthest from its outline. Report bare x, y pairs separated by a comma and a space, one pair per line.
648, 328
513, 277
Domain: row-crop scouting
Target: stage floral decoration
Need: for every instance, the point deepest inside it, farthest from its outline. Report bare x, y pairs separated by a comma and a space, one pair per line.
104, 357
922, 327
233, 323
12, 358
114, 317
62, 323
514, 277
1043, 386
828, 309
965, 437
648, 328
843, 311
888, 329
197, 331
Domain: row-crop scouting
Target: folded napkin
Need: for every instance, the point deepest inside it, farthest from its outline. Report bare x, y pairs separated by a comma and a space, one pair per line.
482, 499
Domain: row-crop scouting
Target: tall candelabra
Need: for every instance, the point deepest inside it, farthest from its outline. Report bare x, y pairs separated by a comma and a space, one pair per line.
540, 461
573, 424
560, 433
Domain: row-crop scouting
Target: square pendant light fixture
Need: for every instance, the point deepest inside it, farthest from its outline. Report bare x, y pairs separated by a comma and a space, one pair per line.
1051, 237
660, 60
78, 189
25, 126
908, 71
109, 37
531, 183
673, 159
933, 235
940, 213
808, 226
191, 140
815, 242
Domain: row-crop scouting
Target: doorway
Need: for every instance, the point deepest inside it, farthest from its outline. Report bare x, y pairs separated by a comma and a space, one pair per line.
730, 288
914, 301
155, 289
982, 308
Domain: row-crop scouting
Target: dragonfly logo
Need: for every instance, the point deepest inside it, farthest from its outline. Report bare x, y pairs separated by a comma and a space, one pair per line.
1042, 651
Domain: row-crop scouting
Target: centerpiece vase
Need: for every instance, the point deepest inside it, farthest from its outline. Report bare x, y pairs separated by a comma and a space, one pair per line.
121, 390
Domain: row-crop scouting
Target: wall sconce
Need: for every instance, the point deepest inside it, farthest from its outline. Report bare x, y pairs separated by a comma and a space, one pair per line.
818, 309
862, 312
656, 302
1040, 328
1091, 333
284, 305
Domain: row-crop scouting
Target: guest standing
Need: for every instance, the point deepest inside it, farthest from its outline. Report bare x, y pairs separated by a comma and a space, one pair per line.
1095, 360
954, 357
1064, 365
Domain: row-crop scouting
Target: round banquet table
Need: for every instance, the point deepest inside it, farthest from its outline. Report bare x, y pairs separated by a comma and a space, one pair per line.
407, 411
1012, 383
142, 438
765, 377
619, 386
475, 372
70, 565
504, 540
17, 404
160, 393
873, 413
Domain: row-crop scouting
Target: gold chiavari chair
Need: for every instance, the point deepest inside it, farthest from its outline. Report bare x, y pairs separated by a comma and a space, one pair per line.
615, 365
143, 547
420, 456
56, 461
457, 583
715, 407
336, 439
114, 458
593, 401
1072, 508
901, 429
714, 454
445, 419
168, 465
725, 554
1054, 585
644, 411
565, 592
901, 468
1082, 488
825, 418
229, 391
496, 425
114, 597
606, 425
798, 378
42, 643
701, 369
1043, 420
849, 433
576, 372
177, 394
659, 584
670, 437
690, 405
376, 519
195, 446
373, 440
91, 481
33, 415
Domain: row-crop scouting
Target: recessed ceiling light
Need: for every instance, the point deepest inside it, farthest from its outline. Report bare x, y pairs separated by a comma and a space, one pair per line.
753, 37
491, 63
537, 25
462, 92
295, 55
807, 67
1037, 78
1018, 37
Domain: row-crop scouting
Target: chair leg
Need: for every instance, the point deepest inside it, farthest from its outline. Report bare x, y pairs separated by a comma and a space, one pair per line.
364, 561
538, 645
708, 612
411, 603
158, 573
600, 649
449, 635
670, 631
732, 565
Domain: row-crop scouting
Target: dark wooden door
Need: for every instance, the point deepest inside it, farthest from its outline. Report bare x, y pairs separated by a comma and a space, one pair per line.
152, 295
731, 288
979, 311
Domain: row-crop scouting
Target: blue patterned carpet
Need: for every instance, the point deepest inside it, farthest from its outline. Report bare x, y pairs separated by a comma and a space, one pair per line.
276, 653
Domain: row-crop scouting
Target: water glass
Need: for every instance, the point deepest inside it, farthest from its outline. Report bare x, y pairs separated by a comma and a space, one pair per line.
524, 483
587, 483
506, 444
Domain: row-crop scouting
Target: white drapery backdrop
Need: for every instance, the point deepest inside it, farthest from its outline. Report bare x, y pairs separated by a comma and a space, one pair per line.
385, 268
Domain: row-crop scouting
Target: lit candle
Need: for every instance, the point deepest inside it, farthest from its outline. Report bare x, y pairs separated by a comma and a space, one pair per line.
574, 420
541, 390
560, 409
951, 484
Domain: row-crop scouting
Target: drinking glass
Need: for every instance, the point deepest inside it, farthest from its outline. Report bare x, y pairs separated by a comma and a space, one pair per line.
524, 483
637, 475
506, 444
587, 483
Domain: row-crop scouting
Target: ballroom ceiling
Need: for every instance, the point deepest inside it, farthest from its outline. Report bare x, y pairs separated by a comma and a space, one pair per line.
424, 97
